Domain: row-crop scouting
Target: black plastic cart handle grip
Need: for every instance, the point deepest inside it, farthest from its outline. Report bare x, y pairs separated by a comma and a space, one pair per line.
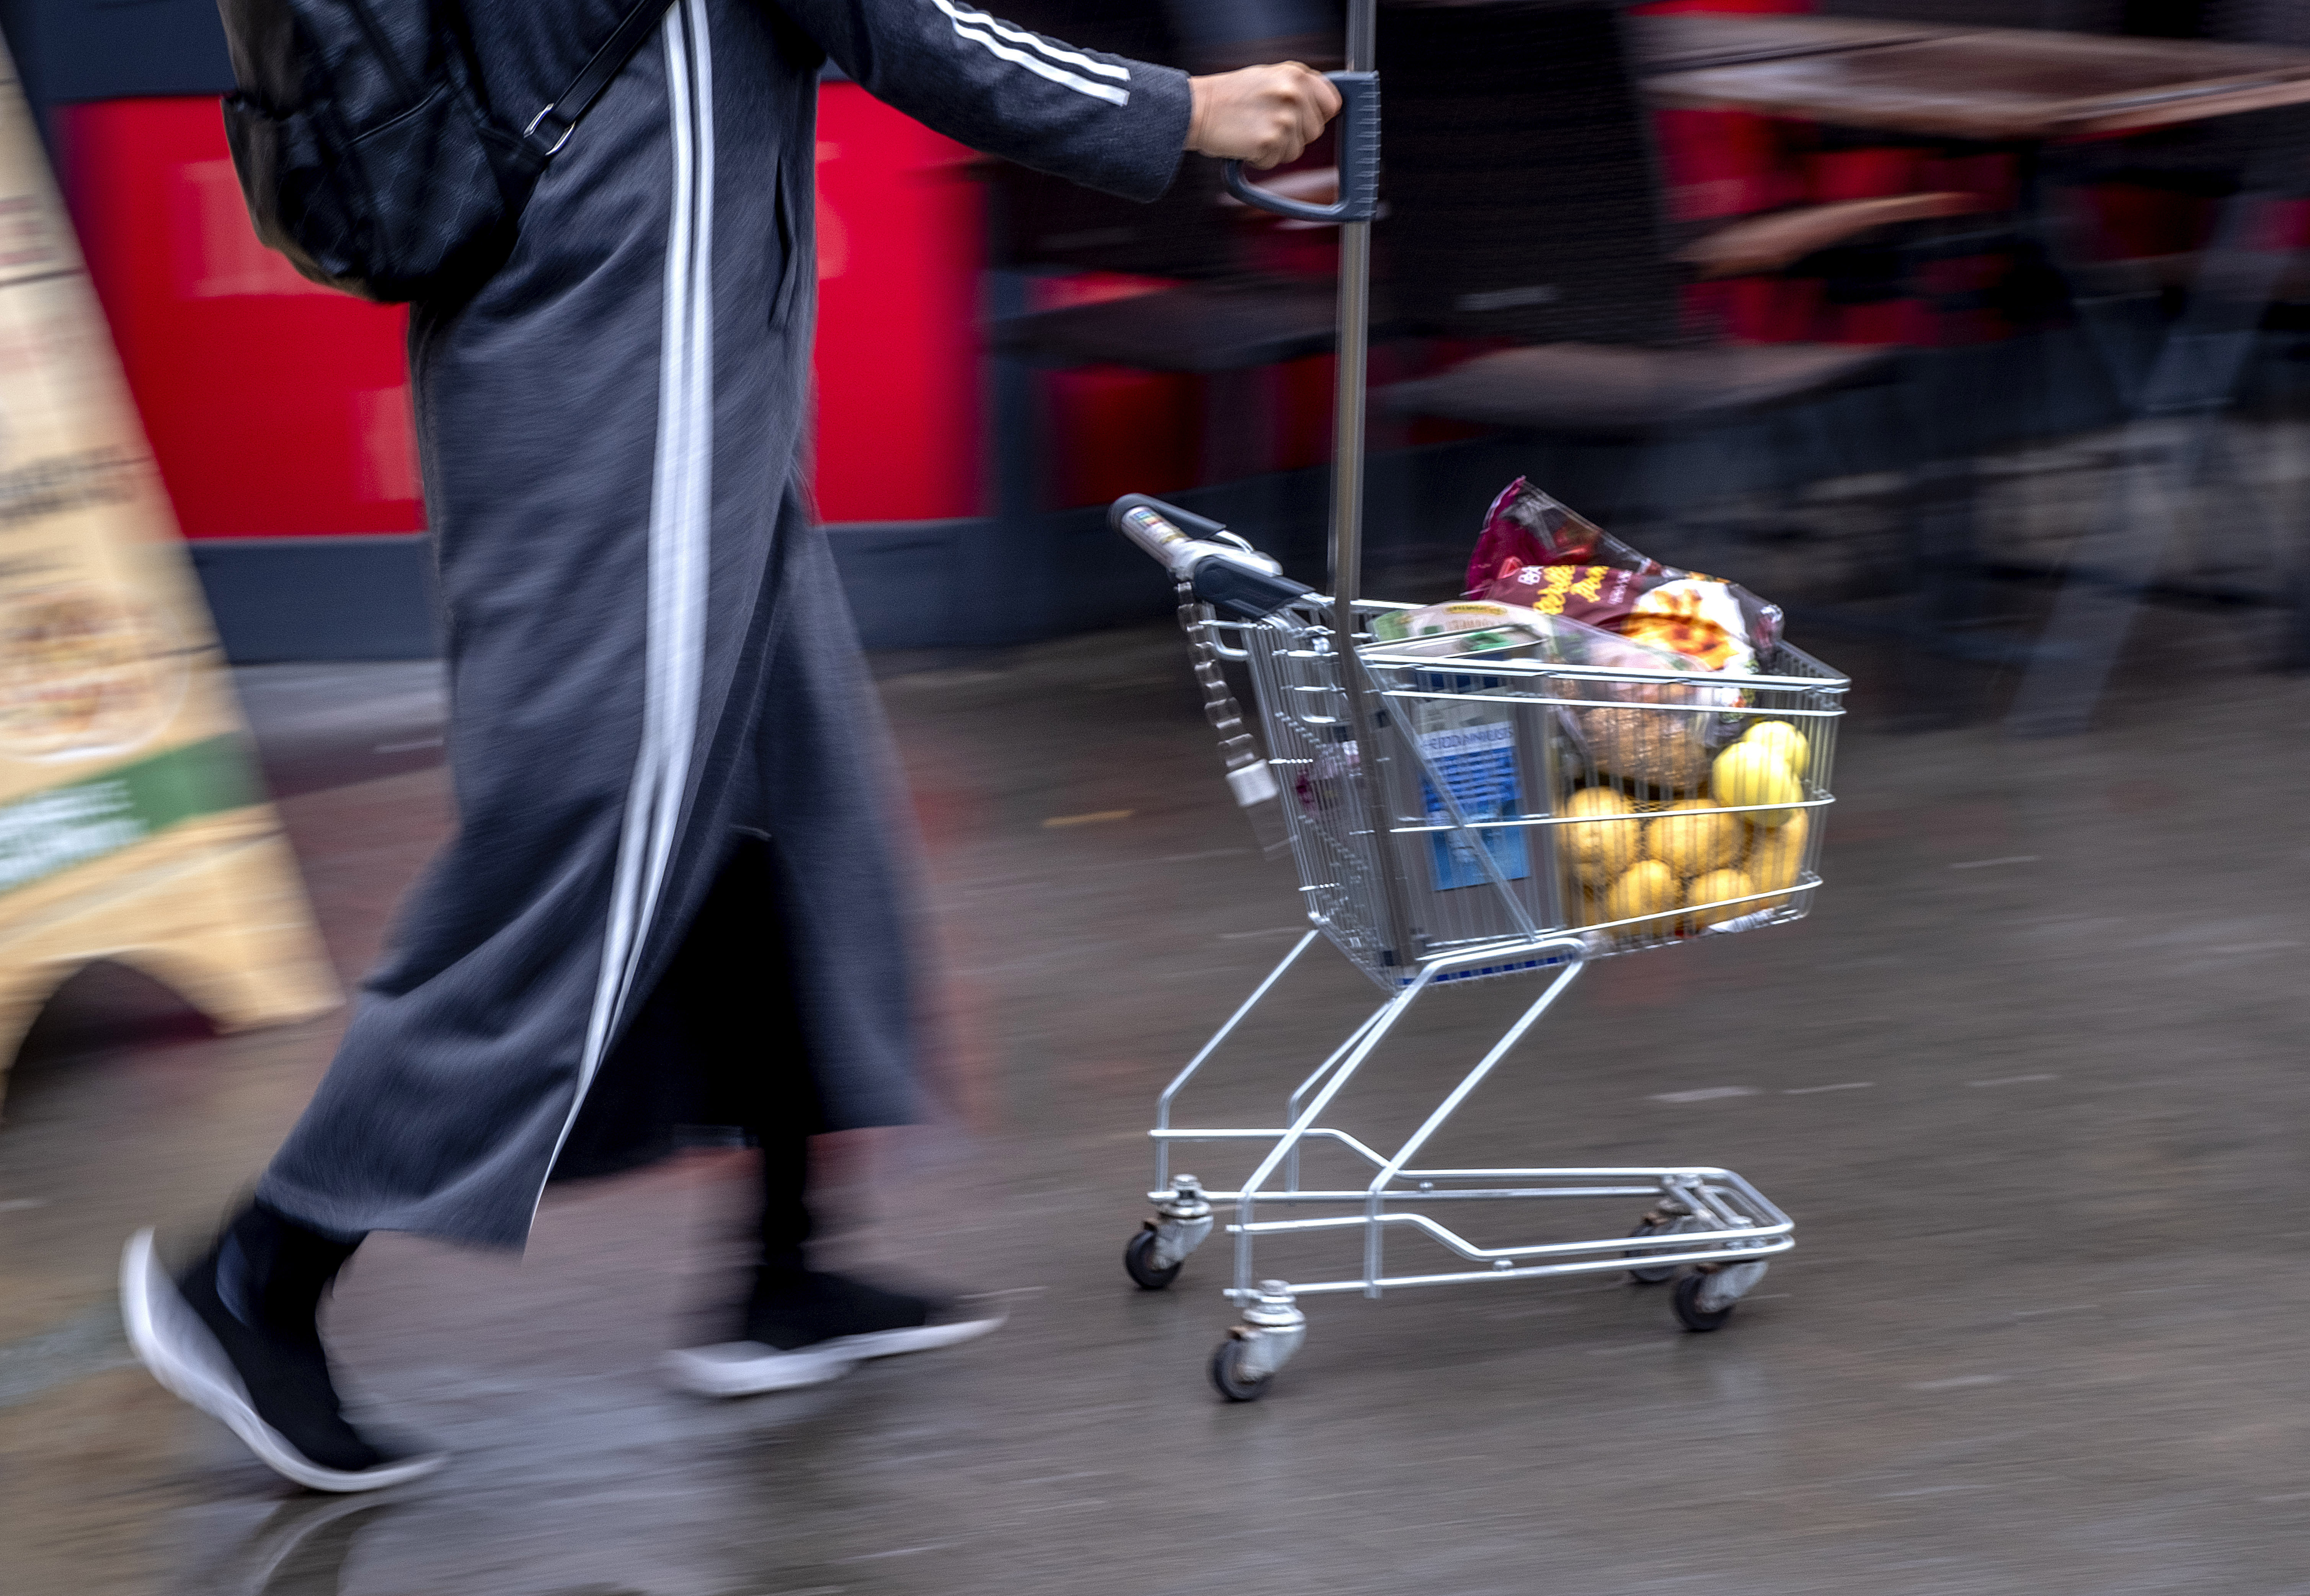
1229, 582
1359, 153
1194, 526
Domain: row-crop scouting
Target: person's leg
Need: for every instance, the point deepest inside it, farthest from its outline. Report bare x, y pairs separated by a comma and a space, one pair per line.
798, 1325
238, 1335
260, 1286
786, 1225
598, 562
790, 1306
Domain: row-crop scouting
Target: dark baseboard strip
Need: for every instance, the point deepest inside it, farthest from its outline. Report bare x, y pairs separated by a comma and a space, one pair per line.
911, 584
977, 581
366, 597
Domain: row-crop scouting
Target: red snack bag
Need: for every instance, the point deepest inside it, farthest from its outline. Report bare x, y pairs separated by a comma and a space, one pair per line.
1525, 526
1536, 553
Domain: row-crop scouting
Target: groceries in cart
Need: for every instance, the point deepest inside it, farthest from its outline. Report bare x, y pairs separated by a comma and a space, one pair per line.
1609, 756
1536, 552
1682, 795
1466, 628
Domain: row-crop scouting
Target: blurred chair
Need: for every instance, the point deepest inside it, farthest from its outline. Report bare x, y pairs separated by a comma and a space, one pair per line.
2186, 313
1224, 323
1044, 224
2068, 16
1524, 206
1221, 35
1218, 316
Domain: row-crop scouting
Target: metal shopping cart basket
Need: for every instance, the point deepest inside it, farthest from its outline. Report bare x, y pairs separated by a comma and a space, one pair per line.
1456, 818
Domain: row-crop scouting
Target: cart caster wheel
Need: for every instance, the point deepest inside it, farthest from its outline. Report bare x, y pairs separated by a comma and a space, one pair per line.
1688, 1304
1227, 1374
1651, 1225
1138, 1263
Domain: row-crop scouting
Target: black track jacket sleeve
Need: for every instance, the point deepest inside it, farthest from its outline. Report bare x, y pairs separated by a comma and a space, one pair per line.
1104, 121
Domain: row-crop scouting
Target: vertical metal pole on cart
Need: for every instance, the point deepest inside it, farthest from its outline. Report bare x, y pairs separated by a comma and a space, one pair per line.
1347, 552
1358, 148
1357, 138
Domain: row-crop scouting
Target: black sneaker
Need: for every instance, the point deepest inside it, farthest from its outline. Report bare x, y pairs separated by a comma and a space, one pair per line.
806, 1328
271, 1391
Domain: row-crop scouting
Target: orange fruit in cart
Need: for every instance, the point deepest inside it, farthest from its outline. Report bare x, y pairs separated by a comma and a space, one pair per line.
1749, 773
1713, 888
1777, 855
1694, 837
1785, 740
1599, 850
1648, 888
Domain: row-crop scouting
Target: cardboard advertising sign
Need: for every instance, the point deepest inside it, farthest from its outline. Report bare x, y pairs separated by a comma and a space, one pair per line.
131, 826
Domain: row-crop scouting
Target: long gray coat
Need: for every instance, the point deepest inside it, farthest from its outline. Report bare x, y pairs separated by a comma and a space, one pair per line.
648, 650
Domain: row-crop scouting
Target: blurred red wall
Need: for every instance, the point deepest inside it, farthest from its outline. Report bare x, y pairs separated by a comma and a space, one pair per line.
279, 408
899, 245
276, 406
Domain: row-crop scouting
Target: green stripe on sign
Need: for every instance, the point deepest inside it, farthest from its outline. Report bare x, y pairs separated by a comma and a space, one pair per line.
45, 832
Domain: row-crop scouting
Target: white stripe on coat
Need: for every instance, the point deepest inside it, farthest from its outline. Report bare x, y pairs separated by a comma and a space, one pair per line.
1105, 69
682, 491
981, 30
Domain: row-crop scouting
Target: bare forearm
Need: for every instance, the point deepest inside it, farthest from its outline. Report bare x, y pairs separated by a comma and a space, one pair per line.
1263, 116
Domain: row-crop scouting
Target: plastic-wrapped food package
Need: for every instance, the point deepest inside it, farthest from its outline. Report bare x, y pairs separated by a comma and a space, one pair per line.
1476, 626
1620, 735
1538, 555
1465, 627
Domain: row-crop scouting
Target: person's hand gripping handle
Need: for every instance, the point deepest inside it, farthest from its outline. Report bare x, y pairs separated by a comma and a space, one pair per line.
1261, 114
1266, 115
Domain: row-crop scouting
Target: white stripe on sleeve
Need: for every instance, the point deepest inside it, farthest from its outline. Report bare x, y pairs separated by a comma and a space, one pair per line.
981, 30
1105, 69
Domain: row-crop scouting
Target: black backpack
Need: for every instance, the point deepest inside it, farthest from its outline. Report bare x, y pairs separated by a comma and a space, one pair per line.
369, 150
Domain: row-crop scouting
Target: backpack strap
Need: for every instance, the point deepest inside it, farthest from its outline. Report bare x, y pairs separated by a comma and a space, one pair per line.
550, 128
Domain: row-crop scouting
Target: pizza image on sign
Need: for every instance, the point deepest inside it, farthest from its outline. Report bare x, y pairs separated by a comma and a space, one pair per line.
84, 672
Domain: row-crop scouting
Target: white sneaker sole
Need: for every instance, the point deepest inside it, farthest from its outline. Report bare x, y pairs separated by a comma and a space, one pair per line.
170, 1340
749, 1368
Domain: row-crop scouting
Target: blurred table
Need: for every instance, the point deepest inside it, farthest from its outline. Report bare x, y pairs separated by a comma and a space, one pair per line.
2028, 91
1984, 85
1691, 40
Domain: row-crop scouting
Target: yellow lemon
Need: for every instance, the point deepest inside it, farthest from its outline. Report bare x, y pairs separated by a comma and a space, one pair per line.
1599, 850
1776, 857
1695, 836
1747, 773
1648, 888
1583, 907
1715, 887
1783, 740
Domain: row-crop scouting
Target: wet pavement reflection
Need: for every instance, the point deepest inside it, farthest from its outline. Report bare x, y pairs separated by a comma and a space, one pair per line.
2028, 1082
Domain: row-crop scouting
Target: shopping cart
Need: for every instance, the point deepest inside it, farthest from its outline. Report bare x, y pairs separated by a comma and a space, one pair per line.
1434, 806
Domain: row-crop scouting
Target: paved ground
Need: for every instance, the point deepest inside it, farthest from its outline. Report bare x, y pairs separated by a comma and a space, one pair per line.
2029, 1082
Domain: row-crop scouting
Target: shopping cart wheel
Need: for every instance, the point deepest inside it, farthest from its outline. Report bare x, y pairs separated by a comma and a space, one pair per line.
1227, 1374
1688, 1300
1659, 1224
1138, 1263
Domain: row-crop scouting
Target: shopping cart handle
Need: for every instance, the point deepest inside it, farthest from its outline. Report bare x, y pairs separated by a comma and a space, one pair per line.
1221, 570
1186, 521
1358, 161
1243, 592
